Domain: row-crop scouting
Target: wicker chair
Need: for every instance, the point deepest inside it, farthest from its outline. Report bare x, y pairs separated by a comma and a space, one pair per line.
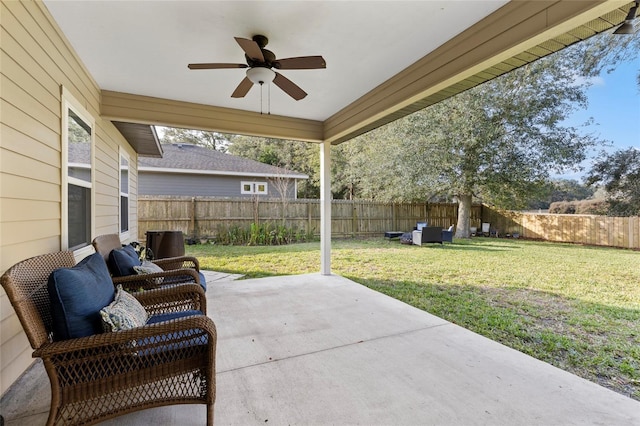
177, 270
102, 376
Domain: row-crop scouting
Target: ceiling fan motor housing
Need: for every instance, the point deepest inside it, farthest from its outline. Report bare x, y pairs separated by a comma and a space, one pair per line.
261, 40
269, 59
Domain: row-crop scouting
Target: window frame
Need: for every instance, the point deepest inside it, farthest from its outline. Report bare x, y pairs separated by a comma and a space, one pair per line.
69, 102
123, 155
254, 188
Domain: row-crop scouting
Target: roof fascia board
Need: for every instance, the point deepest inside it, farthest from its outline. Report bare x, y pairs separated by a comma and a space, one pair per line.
126, 107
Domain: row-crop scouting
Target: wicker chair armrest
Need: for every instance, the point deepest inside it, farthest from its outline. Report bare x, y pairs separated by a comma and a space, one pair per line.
120, 342
178, 263
158, 279
176, 298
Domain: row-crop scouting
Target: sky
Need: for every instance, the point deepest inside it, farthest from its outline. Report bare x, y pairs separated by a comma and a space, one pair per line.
614, 104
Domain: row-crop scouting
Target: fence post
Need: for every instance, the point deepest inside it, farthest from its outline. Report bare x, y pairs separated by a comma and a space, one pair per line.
393, 216
193, 217
354, 219
427, 217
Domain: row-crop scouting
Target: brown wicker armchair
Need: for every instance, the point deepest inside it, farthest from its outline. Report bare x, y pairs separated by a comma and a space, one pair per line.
176, 270
105, 375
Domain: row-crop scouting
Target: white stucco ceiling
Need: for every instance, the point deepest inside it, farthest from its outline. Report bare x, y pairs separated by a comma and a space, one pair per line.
143, 47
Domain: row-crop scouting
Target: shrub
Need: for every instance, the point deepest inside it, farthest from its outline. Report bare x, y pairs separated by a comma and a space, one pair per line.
266, 234
599, 207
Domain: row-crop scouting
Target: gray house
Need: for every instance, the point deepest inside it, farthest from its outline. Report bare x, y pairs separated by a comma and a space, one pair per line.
192, 170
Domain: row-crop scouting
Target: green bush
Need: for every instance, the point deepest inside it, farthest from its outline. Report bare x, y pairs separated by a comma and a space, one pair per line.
266, 234
592, 206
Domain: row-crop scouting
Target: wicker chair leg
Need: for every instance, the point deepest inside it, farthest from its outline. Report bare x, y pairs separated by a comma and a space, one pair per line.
209, 414
54, 408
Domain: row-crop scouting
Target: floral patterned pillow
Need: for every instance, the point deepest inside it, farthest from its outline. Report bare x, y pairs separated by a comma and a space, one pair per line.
124, 313
148, 267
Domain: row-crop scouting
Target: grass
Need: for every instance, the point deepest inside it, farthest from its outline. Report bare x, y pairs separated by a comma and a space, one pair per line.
575, 307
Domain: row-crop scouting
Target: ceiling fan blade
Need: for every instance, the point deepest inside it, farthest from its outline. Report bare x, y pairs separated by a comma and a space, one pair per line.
251, 48
301, 63
289, 87
242, 89
215, 66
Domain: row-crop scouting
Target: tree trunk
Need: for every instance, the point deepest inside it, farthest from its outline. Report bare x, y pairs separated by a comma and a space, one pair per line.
464, 216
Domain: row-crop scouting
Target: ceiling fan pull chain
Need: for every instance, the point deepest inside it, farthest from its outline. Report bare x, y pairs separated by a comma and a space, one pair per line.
261, 86
269, 100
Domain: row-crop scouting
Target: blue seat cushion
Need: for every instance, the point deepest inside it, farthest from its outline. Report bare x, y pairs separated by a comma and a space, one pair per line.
122, 261
76, 295
171, 342
203, 281
168, 316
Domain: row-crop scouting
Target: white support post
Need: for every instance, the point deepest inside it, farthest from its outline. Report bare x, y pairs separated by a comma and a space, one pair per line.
325, 208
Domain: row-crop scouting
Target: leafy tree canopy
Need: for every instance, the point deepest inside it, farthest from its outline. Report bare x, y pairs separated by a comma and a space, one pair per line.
619, 172
212, 140
561, 190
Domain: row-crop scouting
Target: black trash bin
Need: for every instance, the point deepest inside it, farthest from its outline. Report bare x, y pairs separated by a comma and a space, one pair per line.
165, 244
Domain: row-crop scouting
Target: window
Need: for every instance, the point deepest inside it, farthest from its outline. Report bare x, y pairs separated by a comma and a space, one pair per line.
254, 188
78, 185
124, 193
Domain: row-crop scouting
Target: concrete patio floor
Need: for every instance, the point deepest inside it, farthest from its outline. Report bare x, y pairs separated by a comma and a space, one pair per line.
316, 350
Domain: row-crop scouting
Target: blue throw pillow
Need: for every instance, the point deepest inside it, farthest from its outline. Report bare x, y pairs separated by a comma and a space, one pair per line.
77, 294
122, 261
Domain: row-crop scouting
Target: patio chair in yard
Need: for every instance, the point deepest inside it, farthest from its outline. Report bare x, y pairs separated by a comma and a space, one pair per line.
447, 234
127, 269
428, 234
159, 350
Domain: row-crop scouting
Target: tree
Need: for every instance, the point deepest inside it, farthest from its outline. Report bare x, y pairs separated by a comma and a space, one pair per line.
561, 190
619, 172
497, 142
212, 140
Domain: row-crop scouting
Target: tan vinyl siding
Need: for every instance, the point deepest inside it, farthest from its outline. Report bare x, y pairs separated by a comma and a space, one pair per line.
36, 61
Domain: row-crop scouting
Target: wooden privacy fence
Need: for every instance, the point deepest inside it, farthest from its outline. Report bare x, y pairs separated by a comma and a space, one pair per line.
204, 216
571, 228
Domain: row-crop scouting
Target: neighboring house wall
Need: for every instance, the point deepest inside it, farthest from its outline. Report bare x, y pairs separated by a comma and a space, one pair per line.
36, 62
196, 185
196, 171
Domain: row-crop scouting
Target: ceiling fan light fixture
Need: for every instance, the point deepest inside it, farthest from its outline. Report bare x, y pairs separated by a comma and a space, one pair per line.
627, 25
260, 75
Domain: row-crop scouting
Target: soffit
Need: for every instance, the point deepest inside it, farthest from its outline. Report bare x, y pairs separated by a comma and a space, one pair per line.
142, 137
143, 47
374, 79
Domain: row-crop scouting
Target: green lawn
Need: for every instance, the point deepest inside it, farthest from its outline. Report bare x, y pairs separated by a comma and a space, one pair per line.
572, 306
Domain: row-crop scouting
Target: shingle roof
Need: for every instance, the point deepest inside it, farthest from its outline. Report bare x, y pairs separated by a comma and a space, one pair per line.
190, 157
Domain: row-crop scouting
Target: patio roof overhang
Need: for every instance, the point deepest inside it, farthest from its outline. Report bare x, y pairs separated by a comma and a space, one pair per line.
482, 40
514, 35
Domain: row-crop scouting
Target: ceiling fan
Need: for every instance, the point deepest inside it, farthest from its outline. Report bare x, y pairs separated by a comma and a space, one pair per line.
260, 62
